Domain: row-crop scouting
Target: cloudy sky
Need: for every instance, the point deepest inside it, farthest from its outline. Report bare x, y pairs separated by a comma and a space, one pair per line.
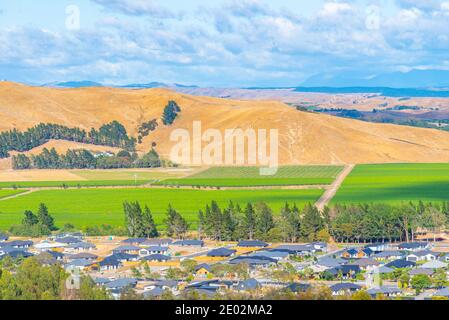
219, 43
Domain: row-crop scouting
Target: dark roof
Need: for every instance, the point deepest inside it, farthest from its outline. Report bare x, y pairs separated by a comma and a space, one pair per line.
221, 252
156, 249
3, 237
109, 261
134, 240
400, 263
83, 245
69, 240
295, 248
80, 263
252, 243
351, 251
126, 248
83, 255
383, 290
253, 260
156, 292
120, 256
18, 243
298, 287
331, 262
424, 253
156, 242
344, 269
203, 266
18, 254
415, 272
156, 257
56, 255
250, 284
121, 283
413, 245
345, 286
365, 262
166, 283
442, 293
387, 254
189, 243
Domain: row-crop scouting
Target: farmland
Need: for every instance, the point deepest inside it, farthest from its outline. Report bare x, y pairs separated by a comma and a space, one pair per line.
250, 176
90, 207
8, 193
395, 183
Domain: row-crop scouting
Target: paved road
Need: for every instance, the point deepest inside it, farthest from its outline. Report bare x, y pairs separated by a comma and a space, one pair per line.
16, 195
332, 190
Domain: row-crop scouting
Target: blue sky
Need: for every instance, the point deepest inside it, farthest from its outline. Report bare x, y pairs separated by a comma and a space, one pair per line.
224, 43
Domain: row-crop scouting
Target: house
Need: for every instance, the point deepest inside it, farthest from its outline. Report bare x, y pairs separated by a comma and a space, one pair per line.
400, 263
80, 247
109, 263
434, 264
130, 249
247, 285
424, 255
164, 284
202, 270
155, 258
414, 246
124, 257
346, 271
14, 253
157, 242
221, 253
156, 292
344, 288
19, 244
274, 254
121, 284
378, 247
189, 243
80, 264
389, 255
331, 262
319, 246
68, 240
419, 271
366, 263
210, 286
254, 261
442, 293
349, 253
134, 241
298, 287
385, 270
385, 291
3, 237
83, 255
56, 255
153, 250
101, 281
252, 244
297, 249
47, 246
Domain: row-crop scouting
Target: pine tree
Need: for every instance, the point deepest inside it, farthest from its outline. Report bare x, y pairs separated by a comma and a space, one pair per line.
312, 222
45, 219
264, 220
249, 221
148, 224
30, 219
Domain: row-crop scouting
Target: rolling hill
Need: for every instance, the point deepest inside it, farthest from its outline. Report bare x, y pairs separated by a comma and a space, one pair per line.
305, 138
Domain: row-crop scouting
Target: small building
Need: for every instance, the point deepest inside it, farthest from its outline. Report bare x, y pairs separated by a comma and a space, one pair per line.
385, 291
130, 249
424, 255
83, 255
157, 242
378, 247
153, 250
434, 264
58, 256
344, 288
48, 246
366, 263
155, 258
125, 257
274, 254
349, 253
330, 262
221, 253
134, 241
420, 271
109, 263
414, 246
80, 264
254, 261
345, 271
121, 284
443, 293
68, 240
189, 243
80, 247
202, 270
19, 244
252, 244
247, 285
389, 255
298, 287
400, 263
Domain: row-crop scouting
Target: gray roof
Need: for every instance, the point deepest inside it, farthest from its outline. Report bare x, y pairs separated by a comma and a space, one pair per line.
345, 286
156, 249
388, 254
331, 262
189, 243
81, 245
80, 263
221, 252
250, 284
83, 255
126, 248
385, 269
156, 292
156, 257
384, 290
415, 272
365, 262
252, 243
121, 283
442, 293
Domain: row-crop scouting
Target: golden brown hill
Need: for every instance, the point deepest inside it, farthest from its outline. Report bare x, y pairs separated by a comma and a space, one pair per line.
304, 137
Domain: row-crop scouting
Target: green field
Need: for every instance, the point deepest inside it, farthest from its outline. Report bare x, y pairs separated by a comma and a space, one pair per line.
88, 207
250, 176
8, 193
395, 183
72, 184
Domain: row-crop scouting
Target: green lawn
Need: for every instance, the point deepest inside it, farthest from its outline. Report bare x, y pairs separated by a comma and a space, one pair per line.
7, 193
395, 183
86, 207
249, 176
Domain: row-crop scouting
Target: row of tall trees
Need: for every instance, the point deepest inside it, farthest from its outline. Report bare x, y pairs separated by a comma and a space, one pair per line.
84, 159
139, 223
382, 222
112, 134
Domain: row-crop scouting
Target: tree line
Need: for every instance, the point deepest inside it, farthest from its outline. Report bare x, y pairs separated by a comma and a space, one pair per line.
112, 134
84, 159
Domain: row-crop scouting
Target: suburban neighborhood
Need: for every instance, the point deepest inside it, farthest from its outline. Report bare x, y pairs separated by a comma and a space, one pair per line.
163, 268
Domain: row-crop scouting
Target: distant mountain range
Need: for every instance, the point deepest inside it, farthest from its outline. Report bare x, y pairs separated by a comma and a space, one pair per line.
88, 84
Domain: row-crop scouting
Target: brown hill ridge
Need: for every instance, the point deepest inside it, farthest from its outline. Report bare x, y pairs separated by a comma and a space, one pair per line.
305, 138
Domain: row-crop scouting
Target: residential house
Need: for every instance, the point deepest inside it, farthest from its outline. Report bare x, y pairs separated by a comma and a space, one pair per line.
153, 250
134, 241
434, 264
83, 255
414, 246
378, 247
125, 257
298, 287
274, 254
202, 270
400, 263
366, 263
48, 246
189, 243
252, 244
80, 247
68, 240
385, 270
109, 263
121, 284
389, 255
246, 285
349, 253
330, 262
3, 237
345, 271
444, 293
221, 253
19, 244
424, 255
420, 271
157, 242
385, 291
80, 264
129, 249
254, 260
297, 249
155, 258
56, 255
344, 288
357, 253
319, 246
